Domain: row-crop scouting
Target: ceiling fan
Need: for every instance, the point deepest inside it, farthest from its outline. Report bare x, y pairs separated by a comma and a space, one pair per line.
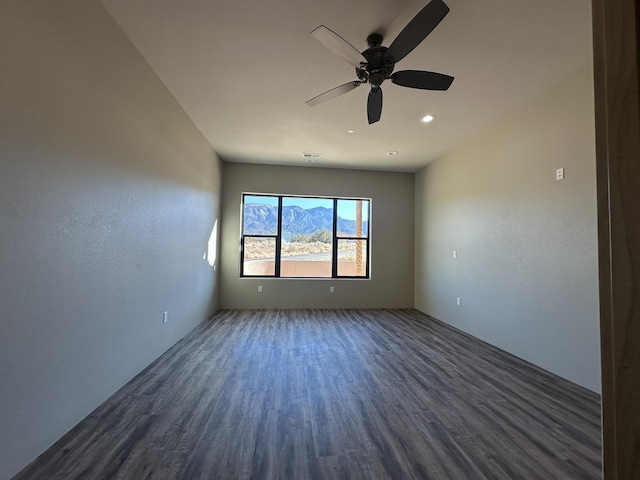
376, 63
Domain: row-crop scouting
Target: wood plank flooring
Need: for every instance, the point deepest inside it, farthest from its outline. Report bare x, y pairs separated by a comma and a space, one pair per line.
334, 394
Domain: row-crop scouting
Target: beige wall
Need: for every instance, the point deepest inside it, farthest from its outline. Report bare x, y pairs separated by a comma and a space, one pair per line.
391, 283
526, 270
108, 197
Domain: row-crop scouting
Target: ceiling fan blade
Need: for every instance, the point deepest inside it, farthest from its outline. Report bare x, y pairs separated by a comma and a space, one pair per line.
333, 93
374, 105
423, 80
417, 30
338, 45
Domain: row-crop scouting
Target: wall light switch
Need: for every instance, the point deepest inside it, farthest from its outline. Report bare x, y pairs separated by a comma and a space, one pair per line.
455, 254
559, 173
457, 300
165, 317
259, 288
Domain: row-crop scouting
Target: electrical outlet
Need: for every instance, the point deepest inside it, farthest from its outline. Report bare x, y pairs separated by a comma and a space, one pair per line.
559, 173
165, 317
259, 288
331, 289
458, 301
455, 254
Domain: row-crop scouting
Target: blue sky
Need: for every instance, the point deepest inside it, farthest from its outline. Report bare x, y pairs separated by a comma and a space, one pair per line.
273, 201
346, 208
307, 203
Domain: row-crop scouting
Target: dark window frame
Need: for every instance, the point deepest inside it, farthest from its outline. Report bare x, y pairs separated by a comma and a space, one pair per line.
335, 237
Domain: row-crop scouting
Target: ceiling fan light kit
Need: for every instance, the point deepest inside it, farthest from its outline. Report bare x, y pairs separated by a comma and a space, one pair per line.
376, 63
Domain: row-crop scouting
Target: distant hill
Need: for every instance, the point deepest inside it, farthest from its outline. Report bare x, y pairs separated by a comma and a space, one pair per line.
263, 220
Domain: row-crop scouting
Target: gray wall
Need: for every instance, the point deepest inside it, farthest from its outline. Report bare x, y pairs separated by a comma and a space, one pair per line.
391, 283
526, 270
108, 197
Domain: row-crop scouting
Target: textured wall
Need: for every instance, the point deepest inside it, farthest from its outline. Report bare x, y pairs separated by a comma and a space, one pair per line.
391, 283
526, 270
108, 197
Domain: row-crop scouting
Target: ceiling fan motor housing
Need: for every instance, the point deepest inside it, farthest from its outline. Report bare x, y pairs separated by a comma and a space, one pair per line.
378, 67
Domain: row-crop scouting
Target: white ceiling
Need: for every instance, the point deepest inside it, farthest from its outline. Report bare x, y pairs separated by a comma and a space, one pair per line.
242, 71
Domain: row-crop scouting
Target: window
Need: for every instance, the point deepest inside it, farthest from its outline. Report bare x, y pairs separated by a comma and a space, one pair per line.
304, 237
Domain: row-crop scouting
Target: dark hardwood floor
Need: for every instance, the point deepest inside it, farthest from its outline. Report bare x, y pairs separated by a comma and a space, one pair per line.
324, 394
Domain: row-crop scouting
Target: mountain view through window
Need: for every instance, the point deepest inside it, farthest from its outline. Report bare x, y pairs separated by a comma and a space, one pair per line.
309, 237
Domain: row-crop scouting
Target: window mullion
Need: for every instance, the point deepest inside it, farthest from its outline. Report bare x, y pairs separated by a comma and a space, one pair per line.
279, 238
242, 254
334, 241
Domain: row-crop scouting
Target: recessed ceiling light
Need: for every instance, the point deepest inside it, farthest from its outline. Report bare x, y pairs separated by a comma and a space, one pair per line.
428, 118
351, 130
392, 153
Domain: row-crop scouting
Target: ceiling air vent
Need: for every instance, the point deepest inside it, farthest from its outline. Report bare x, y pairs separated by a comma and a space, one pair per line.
312, 156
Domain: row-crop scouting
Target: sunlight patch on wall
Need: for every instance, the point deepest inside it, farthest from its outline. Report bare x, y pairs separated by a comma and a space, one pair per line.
211, 254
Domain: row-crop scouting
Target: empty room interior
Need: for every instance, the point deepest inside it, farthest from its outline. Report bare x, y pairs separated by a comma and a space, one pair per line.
448, 326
